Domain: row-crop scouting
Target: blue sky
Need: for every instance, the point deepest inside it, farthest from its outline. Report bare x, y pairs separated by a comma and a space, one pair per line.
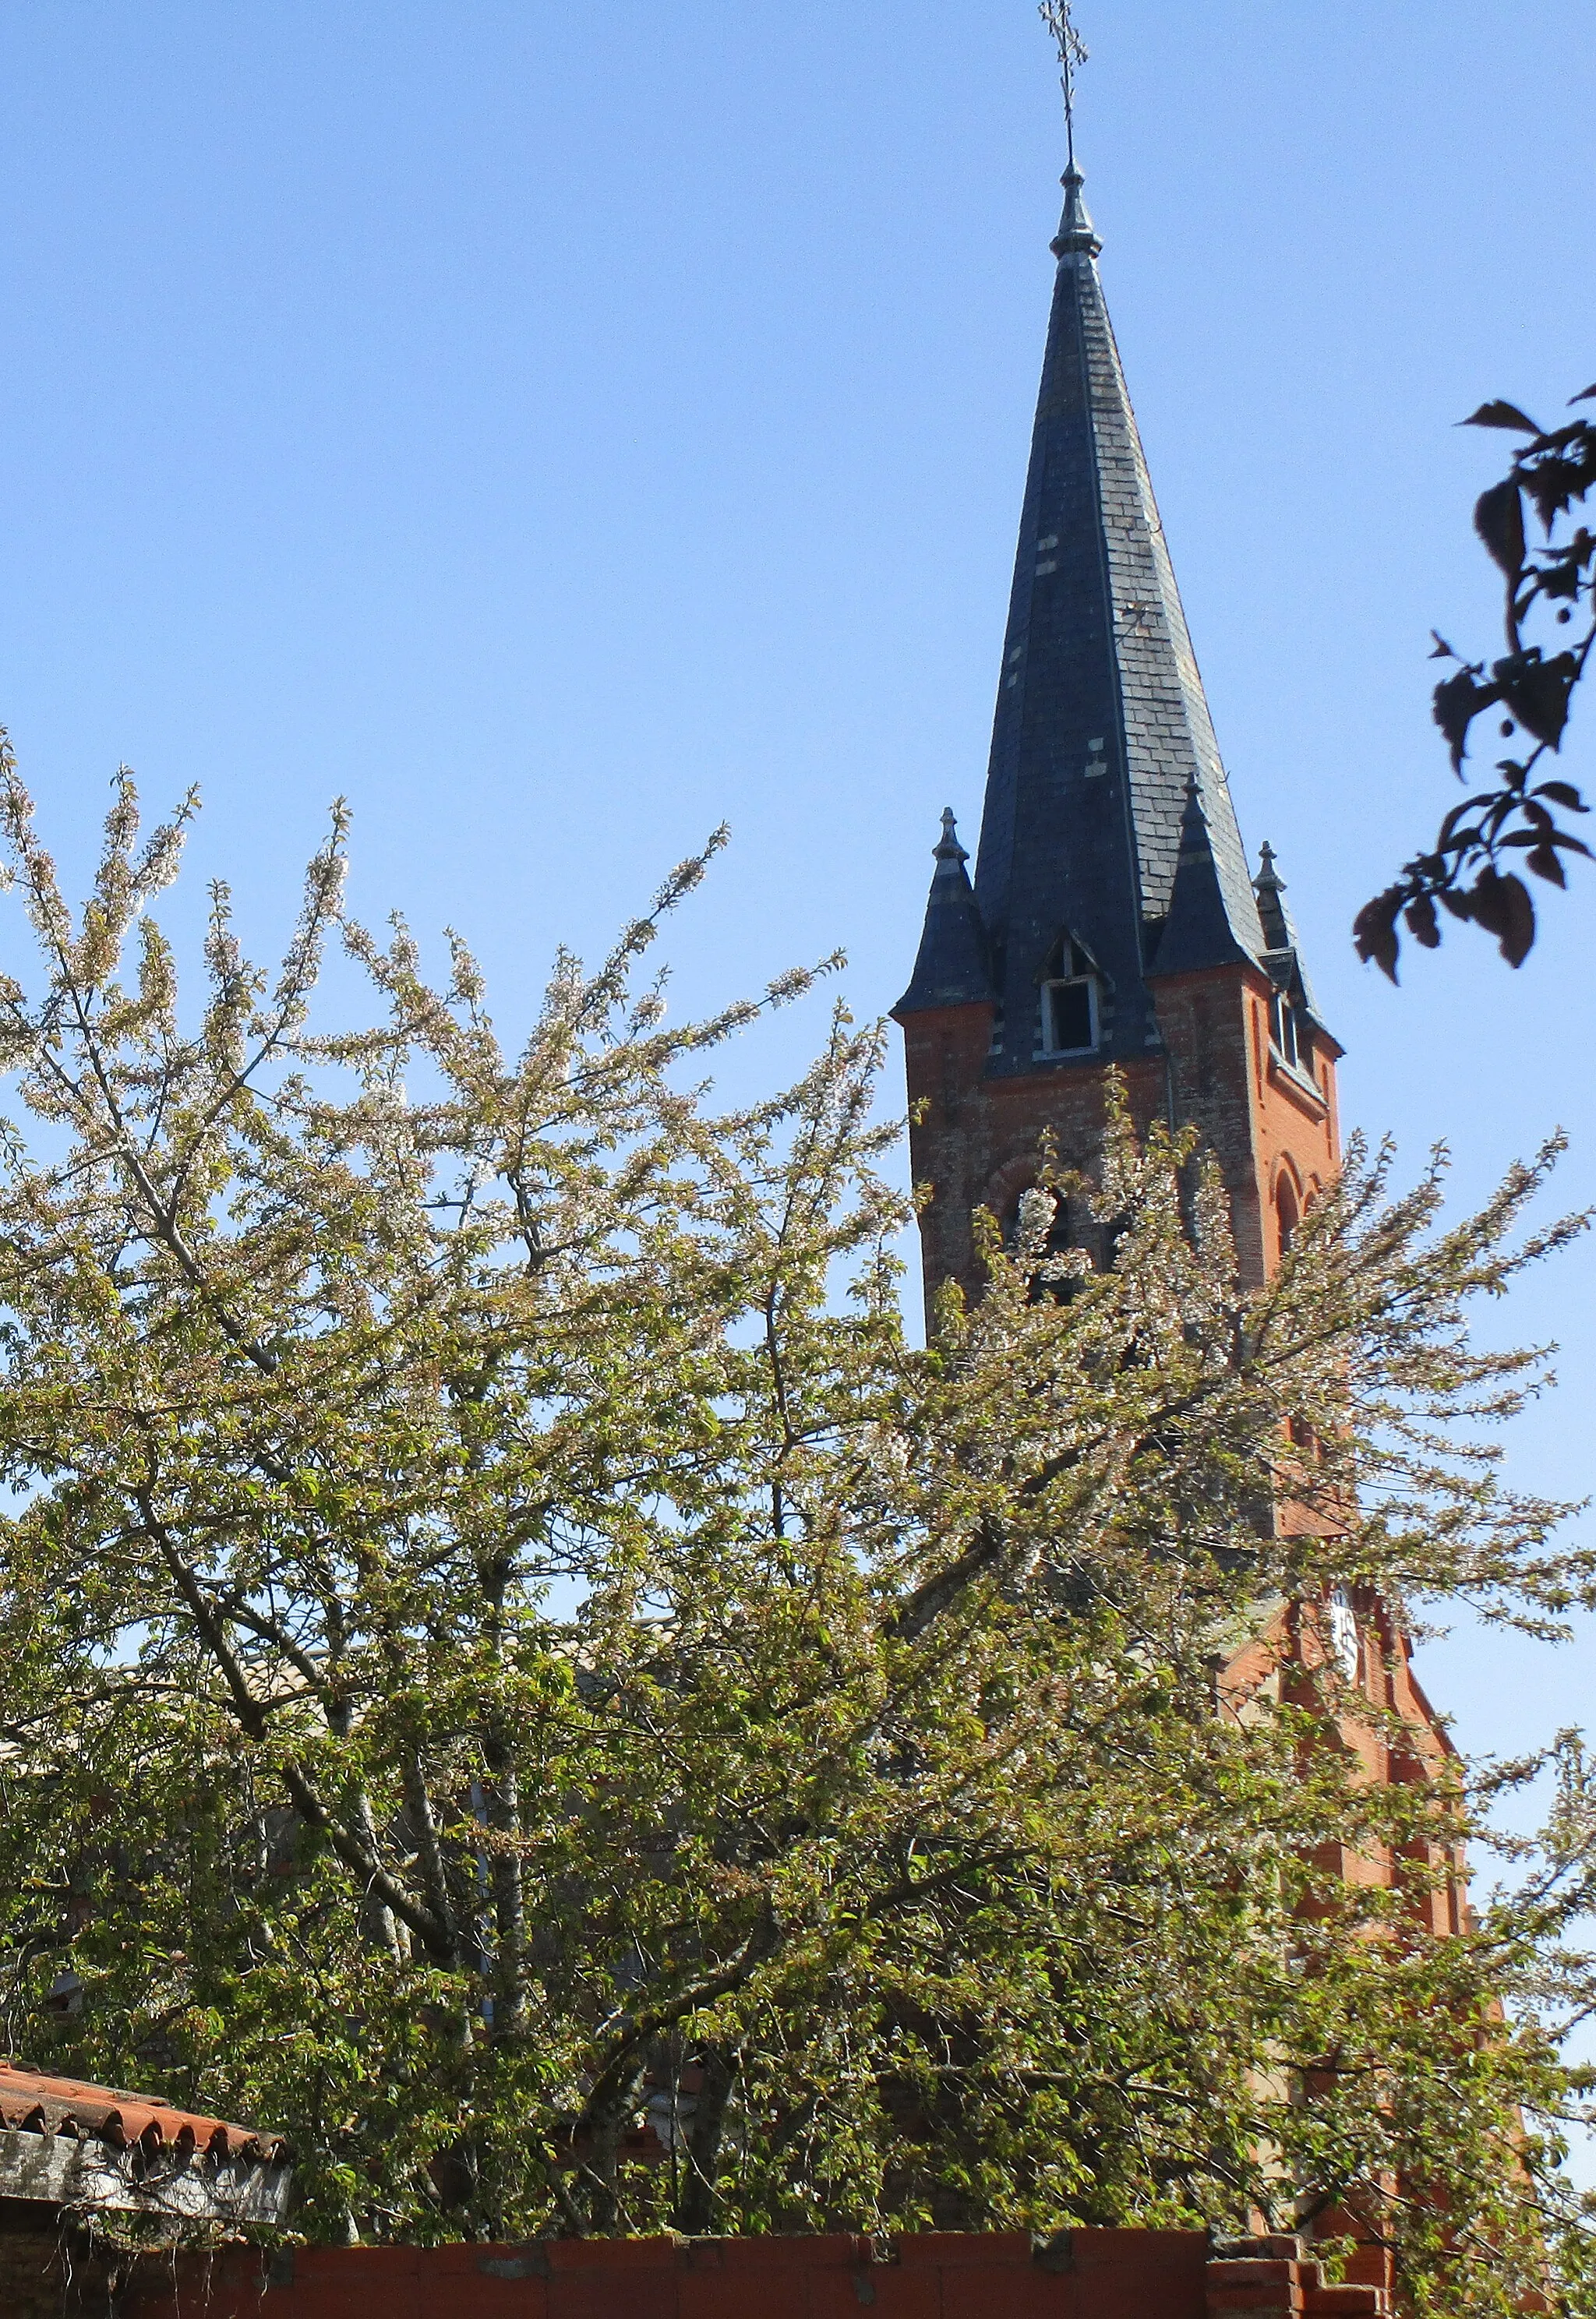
561, 430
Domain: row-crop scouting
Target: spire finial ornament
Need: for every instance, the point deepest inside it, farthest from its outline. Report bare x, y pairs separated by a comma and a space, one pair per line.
950, 849
1076, 231
1058, 16
1195, 841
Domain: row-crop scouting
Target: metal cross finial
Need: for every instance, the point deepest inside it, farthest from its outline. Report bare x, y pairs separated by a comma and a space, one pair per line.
1072, 53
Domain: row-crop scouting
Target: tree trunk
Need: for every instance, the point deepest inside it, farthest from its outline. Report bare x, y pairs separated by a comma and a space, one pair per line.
695, 2209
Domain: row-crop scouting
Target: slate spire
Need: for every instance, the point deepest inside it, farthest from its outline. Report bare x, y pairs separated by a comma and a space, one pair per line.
953, 968
1196, 930
1113, 920
1101, 727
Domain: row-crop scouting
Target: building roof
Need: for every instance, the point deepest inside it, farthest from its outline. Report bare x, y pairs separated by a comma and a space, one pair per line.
66, 2144
1101, 728
45, 2105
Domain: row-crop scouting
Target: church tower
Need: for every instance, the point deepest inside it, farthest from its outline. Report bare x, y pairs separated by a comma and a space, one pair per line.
1113, 921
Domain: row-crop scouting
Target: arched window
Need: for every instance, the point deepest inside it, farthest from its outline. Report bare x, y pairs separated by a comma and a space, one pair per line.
1066, 1226
1039, 1206
1287, 1211
1342, 1623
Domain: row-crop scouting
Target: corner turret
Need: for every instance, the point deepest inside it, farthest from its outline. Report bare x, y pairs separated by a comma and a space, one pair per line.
953, 968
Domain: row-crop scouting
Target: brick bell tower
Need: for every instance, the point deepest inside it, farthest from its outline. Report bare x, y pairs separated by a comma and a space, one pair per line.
1113, 921
1113, 924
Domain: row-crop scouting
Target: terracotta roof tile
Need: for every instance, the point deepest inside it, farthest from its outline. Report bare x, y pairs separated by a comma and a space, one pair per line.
67, 2105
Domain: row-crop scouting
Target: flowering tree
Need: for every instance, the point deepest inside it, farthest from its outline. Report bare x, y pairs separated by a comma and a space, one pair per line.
516, 1671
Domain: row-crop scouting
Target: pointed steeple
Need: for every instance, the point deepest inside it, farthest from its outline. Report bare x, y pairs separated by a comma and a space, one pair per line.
1197, 930
953, 968
1284, 953
1101, 726
1113, 923
1273, 910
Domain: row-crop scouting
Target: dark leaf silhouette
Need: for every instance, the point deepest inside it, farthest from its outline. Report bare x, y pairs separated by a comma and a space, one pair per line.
1420, 922
1563, 793
1561, 579
1499, 519
1549, 586
1502, 414
1374, 931
1451, 831
1556, 483
1501, 905
1458, 700
1536, 691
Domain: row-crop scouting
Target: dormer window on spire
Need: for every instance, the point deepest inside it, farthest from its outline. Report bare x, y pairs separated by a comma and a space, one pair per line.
1070, 1003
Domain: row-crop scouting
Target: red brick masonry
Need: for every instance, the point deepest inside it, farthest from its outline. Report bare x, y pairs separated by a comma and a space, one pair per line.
1004, 2275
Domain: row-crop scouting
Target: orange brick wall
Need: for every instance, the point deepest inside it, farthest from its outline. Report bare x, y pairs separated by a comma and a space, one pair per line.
1274, 1129
1085, 2274
975, 1138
